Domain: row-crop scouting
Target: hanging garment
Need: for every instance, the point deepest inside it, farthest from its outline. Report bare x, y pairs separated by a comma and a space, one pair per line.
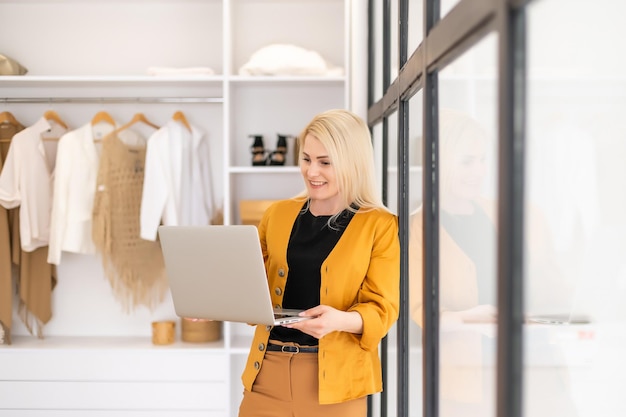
76, 172
177, 184
37, 279
7, 131
25, 183
133, 266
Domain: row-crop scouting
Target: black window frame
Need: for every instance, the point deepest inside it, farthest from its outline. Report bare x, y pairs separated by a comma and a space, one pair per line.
445, 39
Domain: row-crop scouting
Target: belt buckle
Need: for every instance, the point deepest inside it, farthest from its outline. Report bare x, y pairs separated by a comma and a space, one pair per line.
289, 349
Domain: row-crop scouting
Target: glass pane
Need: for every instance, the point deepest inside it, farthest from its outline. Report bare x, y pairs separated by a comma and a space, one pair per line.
575, 270
392, 187
416, 25
377, 33
395, 39
415, 260
392, 168
447, 5
467, 235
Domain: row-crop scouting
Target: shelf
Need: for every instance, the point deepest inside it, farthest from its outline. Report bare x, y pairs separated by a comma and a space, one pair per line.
77, 80
305, 80
24, 343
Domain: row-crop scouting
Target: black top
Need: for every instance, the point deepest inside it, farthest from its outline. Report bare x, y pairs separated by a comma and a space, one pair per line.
475, 234
310, 243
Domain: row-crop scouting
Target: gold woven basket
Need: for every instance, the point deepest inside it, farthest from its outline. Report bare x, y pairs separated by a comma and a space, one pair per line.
200, 330
163, 332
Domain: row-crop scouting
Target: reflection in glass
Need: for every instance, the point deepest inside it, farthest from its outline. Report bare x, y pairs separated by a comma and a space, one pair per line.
391, 365
394, 36
415, 130
447, 5
392, 168
467, 240
576, 177
415, 25
377, 37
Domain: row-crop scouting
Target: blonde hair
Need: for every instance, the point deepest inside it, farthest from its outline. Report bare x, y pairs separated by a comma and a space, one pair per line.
457, 132
348, 142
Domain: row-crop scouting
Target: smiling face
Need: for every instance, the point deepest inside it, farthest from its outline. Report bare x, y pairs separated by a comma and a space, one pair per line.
320, 178
466, 171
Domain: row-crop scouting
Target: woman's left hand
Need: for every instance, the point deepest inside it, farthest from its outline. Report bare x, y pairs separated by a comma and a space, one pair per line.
327, 319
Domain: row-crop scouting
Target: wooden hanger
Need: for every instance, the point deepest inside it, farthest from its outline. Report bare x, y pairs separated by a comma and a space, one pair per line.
179, 116
7, 117
102, 116
52, 115
137, 118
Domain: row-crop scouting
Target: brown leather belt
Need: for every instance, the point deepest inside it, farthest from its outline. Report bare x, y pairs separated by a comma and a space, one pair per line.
291, 349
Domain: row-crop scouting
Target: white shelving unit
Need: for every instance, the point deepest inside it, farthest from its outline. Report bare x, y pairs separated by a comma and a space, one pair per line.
84, 56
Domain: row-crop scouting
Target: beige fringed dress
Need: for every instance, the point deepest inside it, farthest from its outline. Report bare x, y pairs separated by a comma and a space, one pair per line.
133, 266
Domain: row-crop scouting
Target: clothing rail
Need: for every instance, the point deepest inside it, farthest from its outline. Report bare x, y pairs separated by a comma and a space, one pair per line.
111, 100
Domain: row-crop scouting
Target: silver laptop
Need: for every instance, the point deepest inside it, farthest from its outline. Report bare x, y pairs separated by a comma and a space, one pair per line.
217, 273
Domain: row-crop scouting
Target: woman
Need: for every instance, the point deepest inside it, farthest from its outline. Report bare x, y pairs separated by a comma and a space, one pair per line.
467, 267
334, 252
467, 234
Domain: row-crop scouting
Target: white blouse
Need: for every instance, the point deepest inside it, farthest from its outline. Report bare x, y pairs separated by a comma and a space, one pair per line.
27, 179
177, 179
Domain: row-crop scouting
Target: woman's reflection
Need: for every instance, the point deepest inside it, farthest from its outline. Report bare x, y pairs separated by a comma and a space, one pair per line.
467, 234
467, 268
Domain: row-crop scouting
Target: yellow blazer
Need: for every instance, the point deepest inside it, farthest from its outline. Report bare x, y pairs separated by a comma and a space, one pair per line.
362, 273
458, 286
457, 272
463, 378
458, 290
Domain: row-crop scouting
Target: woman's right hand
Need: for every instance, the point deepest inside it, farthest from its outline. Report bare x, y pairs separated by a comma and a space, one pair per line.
484, 313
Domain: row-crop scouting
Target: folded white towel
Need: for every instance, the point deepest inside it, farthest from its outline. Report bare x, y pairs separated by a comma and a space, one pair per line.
285, 59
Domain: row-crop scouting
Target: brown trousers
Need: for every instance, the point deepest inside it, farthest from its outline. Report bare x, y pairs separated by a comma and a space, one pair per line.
287, 386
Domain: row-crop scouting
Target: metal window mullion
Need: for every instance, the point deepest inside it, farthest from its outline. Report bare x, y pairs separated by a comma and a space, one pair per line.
449, 38
430, 248
430, 221
460, 29
371, 85
403, 223
511, 99
386, 63
403, 219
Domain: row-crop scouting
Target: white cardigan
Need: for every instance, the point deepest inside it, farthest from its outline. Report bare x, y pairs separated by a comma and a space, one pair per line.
77, 165
177, 179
